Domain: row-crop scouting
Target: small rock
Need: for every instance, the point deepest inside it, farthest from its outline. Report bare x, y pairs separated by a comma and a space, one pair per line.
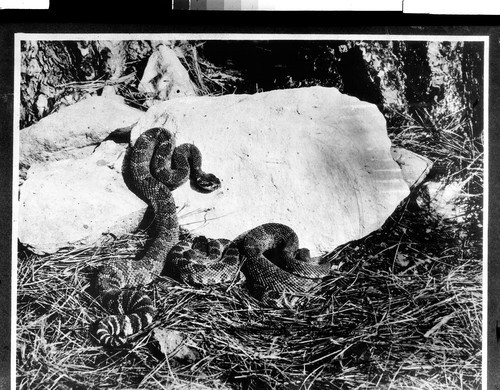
69, 131
402, 260
446, 199
175, 344
414, 167
164, 77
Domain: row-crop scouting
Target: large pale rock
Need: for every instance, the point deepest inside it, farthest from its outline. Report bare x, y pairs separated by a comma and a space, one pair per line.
70, 131
313, 158
72, 203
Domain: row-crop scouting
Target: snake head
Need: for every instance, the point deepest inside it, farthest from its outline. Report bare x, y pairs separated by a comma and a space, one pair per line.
303, 254
207, 182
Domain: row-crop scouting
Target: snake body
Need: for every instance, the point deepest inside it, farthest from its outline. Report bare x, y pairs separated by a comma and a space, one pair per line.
268, 255
204, 262
156, 168
275, 267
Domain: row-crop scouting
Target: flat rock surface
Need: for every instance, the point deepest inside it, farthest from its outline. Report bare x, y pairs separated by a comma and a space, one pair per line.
312, 158
72, 203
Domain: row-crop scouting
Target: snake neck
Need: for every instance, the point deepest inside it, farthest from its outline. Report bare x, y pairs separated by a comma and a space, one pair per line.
166, 226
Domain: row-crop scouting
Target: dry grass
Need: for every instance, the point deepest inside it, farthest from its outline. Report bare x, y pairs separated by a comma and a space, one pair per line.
376, 322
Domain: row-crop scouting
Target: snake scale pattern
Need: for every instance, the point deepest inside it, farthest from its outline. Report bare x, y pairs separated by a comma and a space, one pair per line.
268, 255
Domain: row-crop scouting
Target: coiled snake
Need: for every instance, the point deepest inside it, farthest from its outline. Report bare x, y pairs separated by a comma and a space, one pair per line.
268, 255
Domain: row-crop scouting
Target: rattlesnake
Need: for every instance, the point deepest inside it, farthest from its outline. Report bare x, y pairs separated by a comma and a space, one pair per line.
268, 255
